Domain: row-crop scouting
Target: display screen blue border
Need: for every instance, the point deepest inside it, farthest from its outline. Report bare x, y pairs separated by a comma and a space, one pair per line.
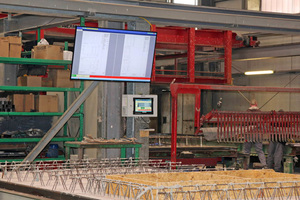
116, 31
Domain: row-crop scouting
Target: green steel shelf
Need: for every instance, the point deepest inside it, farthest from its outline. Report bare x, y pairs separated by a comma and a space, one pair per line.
65, 138
56, 139
38, 159
38, 89
36, 114
32, 61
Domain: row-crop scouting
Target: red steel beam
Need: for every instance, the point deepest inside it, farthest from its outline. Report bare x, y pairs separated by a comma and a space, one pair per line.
177, 87
67, 31
202, 80
171, 56
3, 16
179, 36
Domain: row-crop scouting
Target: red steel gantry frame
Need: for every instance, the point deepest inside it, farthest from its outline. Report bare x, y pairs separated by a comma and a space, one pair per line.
179, 88
191, 40
182, 39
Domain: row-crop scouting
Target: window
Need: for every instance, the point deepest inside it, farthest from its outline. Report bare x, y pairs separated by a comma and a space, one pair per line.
188, 2
281, 6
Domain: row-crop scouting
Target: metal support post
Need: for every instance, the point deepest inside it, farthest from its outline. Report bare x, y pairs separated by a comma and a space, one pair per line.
154, 59
82, 23
191, 54
228, 55
174, 128
65, 108
60, 123
197, 108
288, 165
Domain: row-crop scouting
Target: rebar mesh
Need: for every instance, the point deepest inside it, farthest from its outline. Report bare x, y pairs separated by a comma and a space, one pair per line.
127, 179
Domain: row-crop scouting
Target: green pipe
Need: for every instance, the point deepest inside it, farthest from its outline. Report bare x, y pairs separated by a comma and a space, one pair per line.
66, 45
38, 34
38, 89
56, 139
33, 61
82, 21
81, 110
35, 114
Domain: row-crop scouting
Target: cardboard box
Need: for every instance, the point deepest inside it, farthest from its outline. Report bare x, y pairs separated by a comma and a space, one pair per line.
11, 46
14, 39
15, 50
61, 78
4, 46
30, 81
32, 53
23, 102
46, 103
52, 52
47, 82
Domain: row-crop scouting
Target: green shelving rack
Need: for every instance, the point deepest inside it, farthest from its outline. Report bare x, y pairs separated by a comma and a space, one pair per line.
65, 138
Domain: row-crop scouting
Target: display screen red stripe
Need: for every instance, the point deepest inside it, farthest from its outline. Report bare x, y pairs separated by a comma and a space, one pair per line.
119, 77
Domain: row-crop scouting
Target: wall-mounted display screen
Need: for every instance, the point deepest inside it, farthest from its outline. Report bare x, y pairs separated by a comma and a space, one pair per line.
143, 105
113, 55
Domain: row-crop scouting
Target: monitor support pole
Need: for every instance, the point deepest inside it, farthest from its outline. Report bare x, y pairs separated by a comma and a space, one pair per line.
60, 123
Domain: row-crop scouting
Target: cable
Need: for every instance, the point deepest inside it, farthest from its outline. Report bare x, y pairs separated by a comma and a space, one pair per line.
236, 68
278, 92
244, 97
151, 27
142, 119
51, 20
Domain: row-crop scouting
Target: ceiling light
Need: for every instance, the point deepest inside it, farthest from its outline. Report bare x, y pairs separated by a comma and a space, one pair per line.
259, 72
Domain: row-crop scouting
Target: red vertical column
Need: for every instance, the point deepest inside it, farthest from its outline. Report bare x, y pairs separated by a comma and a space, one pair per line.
191, 55
197, 108
174, 128
228, 56
154, 59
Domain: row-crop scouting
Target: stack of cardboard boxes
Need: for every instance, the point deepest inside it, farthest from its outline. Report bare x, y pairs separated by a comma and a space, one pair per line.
11, 46
41, 103
35, 103
30, 102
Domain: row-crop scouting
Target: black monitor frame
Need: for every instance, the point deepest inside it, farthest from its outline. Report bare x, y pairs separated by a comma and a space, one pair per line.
109, 71
135, 112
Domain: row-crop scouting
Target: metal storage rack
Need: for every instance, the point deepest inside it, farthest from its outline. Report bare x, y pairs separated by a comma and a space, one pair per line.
9, 60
